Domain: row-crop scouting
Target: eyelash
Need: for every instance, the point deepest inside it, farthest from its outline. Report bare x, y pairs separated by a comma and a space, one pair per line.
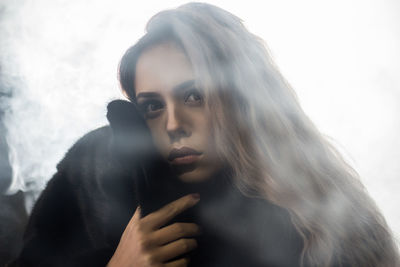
194, 92
144, 106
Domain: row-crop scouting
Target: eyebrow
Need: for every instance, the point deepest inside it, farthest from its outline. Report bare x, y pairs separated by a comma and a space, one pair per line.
184, 85
179, 87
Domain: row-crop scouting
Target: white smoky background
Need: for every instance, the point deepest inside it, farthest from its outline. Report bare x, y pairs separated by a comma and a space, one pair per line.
58, 70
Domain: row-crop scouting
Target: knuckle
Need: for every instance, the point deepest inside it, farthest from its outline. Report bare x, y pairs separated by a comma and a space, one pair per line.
173, 209
184, 262
168, 209
187, 244
179, 228
151, 259
139, 226
184, 244
143, 243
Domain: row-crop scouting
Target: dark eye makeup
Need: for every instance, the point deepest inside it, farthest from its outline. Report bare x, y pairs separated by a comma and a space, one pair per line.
193, 97
152, 106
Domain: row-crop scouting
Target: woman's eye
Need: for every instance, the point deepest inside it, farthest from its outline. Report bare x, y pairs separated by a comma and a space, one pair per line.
151, 108
193, 97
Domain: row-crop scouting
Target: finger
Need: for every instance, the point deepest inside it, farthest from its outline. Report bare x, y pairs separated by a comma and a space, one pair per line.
129, 228
178, 263
175, 231
159, 218
134, 219
136, 216
175, 249
138, 213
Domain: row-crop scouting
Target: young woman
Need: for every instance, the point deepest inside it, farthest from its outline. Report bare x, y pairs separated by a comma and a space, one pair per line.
211, 163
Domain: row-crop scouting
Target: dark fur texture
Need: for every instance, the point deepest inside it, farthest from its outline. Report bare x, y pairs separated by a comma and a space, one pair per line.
81, 215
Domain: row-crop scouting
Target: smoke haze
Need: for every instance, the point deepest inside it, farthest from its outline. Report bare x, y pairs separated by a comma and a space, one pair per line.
59, 70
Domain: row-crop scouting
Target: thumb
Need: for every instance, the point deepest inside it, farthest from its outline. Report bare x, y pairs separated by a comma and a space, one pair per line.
136, 216
138, 212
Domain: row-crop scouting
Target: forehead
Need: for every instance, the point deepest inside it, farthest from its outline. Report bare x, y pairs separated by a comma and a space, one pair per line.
162, 67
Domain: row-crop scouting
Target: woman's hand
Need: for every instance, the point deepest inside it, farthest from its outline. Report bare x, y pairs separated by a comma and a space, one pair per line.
146, 243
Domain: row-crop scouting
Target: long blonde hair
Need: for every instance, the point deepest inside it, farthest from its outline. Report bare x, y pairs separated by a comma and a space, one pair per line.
274, 149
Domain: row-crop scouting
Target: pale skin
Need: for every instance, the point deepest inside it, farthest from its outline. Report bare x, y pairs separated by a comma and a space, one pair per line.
175, 113
174, 108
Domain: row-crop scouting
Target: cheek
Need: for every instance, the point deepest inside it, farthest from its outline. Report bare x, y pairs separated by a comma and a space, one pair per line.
159, 138
207, 138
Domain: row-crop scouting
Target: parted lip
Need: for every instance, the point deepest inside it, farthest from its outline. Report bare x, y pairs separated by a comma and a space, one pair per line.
182, 152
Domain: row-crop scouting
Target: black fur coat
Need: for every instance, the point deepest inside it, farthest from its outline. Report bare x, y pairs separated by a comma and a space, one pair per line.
81, 215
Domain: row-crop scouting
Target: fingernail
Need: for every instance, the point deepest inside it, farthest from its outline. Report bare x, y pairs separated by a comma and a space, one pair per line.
196, 196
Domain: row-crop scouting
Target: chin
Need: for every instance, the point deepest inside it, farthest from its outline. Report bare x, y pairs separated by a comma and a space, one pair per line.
195, 176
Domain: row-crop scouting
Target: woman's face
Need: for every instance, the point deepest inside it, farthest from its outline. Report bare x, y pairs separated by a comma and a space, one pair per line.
175, 112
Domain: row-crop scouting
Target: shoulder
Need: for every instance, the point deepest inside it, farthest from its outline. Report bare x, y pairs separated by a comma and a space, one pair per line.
78, 180
77, 169
94, 144
70, 215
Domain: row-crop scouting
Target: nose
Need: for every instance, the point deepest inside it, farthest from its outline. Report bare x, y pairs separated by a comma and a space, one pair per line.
175, 125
